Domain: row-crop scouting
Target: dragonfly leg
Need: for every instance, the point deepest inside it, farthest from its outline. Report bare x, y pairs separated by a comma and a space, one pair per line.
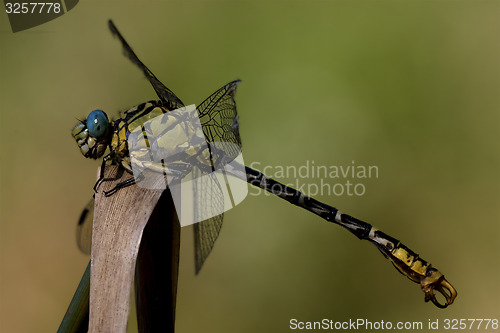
101, 173
128, 182
101, 176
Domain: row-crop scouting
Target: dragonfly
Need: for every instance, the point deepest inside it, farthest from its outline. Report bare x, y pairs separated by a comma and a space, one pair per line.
219, 120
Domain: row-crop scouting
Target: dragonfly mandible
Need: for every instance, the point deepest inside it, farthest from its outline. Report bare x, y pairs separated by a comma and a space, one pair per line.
219, 121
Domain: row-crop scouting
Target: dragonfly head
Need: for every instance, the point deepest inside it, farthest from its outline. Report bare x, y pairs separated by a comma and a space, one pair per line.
92, 134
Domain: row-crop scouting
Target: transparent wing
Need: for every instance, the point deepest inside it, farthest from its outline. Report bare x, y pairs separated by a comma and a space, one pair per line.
209, 197
219, 121
205, 235
84, 228
169, 99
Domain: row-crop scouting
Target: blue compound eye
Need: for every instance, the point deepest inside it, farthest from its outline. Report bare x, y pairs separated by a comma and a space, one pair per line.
97, 123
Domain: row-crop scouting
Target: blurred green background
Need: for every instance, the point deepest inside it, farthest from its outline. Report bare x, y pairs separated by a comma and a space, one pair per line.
409, 86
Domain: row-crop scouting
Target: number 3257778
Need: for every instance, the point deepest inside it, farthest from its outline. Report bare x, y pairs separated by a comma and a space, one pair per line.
32, 8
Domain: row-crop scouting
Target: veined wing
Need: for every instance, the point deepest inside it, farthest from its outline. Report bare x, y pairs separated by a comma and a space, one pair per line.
205, 235
171, 101
209, 200
84, 228
219, 121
